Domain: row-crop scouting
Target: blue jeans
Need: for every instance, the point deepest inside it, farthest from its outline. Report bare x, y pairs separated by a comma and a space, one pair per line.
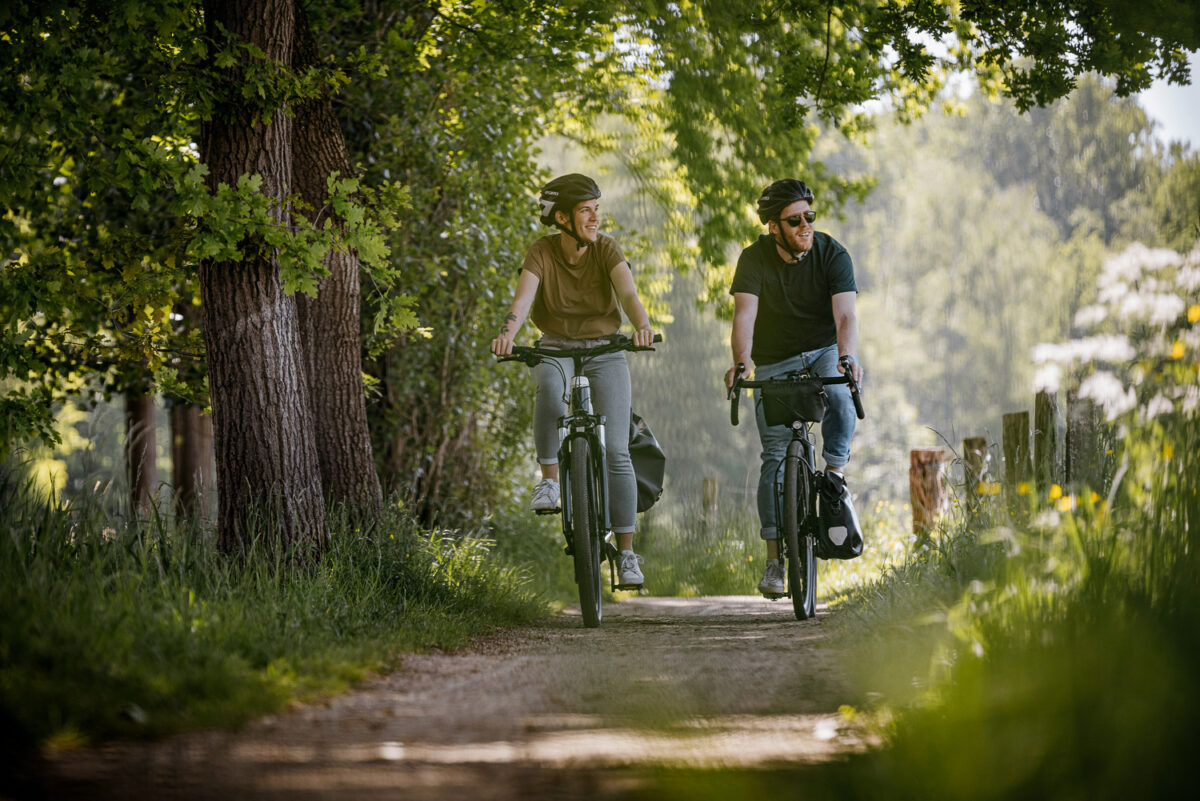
837, 427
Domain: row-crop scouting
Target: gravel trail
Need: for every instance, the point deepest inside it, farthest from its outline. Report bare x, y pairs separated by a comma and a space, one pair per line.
550, 710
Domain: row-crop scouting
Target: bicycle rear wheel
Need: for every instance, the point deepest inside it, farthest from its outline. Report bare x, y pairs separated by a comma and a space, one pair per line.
585, 526
798, 541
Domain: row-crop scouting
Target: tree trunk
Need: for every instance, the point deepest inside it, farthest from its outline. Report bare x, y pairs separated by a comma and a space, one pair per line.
262, 422
140, 452
329, 323
192, 461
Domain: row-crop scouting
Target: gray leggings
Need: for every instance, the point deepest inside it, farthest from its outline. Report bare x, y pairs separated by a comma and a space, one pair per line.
609, 379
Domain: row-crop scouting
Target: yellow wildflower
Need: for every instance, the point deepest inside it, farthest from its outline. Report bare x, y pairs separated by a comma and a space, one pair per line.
1055, 492
1177, 350
1193, 313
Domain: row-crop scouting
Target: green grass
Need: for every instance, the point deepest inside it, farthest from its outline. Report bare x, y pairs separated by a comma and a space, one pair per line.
696, 553
140, 630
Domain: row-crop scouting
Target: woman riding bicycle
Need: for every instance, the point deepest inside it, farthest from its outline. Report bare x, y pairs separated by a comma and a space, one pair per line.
570, 285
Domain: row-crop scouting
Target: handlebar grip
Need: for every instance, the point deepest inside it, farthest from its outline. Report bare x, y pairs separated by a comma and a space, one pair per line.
858, 407
733, 394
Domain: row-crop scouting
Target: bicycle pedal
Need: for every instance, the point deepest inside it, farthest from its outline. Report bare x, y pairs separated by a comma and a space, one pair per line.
774, 596
554, 511
630, 586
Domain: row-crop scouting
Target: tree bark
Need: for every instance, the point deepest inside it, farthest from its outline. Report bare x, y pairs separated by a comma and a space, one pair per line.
262, 421
140, 451
192, 461
329, 324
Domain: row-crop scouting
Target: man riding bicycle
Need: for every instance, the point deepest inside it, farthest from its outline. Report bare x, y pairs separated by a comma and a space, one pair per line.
794, 308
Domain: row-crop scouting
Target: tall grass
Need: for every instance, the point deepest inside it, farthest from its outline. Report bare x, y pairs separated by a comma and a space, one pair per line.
143, 628
693, 552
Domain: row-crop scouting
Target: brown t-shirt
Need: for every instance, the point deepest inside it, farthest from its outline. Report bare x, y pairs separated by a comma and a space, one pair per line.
575, 301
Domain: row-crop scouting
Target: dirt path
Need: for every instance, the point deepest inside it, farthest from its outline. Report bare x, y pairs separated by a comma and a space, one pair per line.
554, 710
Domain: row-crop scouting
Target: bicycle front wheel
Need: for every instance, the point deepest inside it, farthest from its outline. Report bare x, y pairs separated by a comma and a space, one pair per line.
586, 531
797, 536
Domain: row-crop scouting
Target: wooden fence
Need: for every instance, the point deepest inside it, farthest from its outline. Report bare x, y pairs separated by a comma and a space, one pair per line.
1031, 461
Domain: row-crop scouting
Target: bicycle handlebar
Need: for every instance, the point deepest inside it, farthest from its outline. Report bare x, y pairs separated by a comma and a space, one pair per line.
532, 355
739, 382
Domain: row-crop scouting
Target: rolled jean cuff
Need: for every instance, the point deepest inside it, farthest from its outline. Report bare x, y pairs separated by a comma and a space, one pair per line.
624, 529
832, 461
768, 533
548, 461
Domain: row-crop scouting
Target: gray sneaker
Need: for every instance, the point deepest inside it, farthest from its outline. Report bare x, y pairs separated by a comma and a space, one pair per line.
545, 496
629, 571
772, 580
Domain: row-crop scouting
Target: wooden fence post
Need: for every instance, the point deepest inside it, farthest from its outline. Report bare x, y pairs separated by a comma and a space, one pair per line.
709, 495
1045, 441
1089, 457
927, 488
975, 458
1018, 467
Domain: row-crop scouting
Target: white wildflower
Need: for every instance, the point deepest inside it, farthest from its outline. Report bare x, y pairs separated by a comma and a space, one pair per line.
1135, 260
1090, 316
1159, 404
1112, 348
1107, 390
1156, 308
1188, 278
1191, 399
1047, 378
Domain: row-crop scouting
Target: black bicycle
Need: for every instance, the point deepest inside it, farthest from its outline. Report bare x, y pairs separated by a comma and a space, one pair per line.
797, 400
583, 471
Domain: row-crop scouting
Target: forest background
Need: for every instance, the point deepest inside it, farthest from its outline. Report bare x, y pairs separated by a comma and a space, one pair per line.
977, 233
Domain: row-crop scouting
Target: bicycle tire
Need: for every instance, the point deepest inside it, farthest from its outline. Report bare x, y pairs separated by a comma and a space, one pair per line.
798, 541
586, 528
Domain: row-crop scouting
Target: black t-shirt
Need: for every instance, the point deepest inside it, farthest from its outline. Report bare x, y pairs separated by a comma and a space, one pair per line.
795, 313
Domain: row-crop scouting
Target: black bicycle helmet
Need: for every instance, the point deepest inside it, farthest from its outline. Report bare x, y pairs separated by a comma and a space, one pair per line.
564, 193
779, 195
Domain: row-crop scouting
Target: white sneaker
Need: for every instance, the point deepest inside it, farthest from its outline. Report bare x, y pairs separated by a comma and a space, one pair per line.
545, 496
629, 571
772, 580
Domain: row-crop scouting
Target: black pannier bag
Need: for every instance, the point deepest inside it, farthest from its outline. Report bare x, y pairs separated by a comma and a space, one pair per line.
649, 462
839, 536
788, 401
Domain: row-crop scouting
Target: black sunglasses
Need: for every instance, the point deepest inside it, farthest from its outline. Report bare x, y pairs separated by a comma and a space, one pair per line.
796, 219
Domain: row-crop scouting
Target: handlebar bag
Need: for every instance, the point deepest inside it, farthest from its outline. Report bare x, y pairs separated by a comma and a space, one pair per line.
788, 401
649, 462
